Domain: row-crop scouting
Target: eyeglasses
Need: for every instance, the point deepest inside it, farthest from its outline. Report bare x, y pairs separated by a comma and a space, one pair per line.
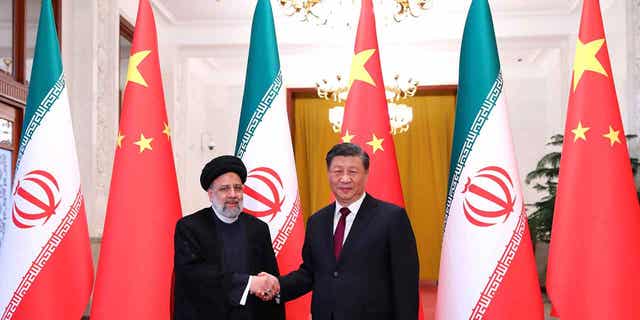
227, 188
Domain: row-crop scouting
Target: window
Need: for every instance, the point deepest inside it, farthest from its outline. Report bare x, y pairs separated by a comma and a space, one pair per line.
6, 37
6, 132
18, 28
32, 15
10, 119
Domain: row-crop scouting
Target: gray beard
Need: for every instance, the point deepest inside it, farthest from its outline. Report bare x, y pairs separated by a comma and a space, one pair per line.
230, 213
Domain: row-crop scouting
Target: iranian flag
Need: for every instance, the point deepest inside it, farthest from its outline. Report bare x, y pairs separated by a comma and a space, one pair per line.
264, 145
45, 259
487, 268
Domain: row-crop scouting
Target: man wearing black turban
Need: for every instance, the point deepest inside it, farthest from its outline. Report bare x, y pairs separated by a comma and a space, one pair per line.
219, 252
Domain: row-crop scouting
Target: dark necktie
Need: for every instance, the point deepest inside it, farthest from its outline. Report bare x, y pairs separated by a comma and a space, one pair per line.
338, 236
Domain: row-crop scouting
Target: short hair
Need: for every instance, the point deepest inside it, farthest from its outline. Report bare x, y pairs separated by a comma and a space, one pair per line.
348, 150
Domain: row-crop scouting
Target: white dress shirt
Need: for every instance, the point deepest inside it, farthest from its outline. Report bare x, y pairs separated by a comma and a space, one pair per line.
354, 207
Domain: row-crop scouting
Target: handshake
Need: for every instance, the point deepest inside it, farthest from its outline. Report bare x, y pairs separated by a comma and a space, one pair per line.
265, 286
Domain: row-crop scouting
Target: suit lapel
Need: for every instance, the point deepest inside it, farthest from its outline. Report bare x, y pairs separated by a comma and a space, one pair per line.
326, 224
364, 216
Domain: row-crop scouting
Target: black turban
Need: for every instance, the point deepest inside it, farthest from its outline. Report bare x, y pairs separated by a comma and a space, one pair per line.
220, 166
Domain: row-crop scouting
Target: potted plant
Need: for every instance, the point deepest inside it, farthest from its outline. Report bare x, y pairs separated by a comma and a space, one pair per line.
545, 180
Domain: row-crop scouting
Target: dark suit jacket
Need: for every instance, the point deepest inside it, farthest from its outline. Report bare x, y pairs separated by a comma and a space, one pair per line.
202, 289
376, 276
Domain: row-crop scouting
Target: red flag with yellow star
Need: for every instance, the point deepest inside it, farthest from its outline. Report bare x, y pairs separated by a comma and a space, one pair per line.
134, 277
366, 115
594, 256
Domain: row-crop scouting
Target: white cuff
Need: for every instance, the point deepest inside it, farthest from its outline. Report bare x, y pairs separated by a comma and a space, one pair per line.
243, 300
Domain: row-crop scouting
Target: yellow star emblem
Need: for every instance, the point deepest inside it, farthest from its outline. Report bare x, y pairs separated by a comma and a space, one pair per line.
358, 71
612, 136
167, 130
375, 143
119, 139
144, 143
133, 74
347, 137
579, 132
586, 60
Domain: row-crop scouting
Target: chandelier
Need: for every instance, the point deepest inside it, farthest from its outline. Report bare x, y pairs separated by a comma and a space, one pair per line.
320, 12
400, 115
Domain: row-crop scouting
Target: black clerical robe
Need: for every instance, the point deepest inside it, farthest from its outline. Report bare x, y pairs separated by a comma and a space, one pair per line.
205, 288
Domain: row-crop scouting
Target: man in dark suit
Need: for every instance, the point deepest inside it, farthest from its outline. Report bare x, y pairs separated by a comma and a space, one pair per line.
359, 254
220, 249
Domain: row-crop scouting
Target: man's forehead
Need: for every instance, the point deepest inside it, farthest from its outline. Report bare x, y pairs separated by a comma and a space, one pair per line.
346, 161
228, 178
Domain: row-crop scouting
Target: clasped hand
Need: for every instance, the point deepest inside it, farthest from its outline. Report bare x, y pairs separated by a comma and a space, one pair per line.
265, 286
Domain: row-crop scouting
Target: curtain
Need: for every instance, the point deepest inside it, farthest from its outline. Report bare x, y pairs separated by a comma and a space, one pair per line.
423, 154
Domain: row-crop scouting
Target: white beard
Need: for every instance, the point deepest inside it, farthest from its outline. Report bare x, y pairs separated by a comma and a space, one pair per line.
221, 209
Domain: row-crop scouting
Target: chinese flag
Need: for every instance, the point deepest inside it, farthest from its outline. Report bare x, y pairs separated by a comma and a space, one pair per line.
594, 255
134, 278
366, 115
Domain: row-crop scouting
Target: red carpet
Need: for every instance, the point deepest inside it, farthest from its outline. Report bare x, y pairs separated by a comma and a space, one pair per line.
428, 292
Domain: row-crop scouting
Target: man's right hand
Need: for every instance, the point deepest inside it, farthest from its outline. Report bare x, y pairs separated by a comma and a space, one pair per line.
264, 286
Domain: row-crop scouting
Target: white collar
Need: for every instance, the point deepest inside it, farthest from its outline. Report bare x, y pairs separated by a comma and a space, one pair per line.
224, 219
354, 206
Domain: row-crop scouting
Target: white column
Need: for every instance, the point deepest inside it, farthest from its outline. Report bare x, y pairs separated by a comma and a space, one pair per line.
90, 55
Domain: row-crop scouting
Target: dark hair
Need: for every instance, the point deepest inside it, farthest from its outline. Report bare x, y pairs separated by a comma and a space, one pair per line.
348, 150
